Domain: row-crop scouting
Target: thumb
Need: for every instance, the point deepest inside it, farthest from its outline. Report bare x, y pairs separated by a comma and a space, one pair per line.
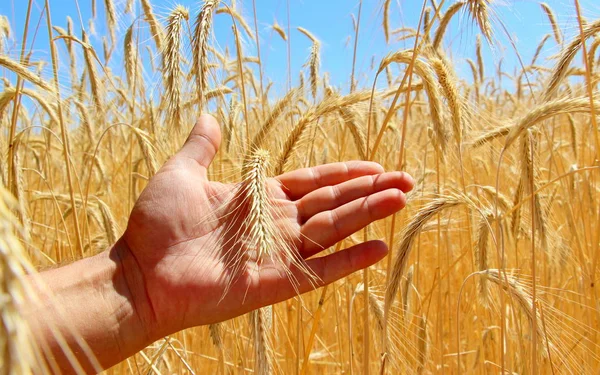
203, 142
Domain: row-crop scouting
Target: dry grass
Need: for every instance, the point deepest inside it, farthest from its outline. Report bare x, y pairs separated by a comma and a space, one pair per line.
503, 160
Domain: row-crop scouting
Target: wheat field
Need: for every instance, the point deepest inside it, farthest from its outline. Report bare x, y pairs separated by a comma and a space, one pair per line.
492, 264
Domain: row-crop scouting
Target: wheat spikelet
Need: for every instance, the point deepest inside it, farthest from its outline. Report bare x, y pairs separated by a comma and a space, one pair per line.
375, 305
71, 52
24, 73
388, 75
129, 6
172, 66
108, 222
230, 124
406, 285
514, 289
358, 132
260, 222
260, 331
5, 30
95, 81
538, 50
386, 20
10, 92
111, 18
86, 121
447, 79
572, 131
546, 111
216, 335
444, 22
17, 190
238, 17
528, 174
481, 253
540, 113
478, 10
130, 58
480, 67
155, 26
427, 25
562, 66
200, 48
279, 30
17, 344
314, 60
147, 148
410, 233
552, 18
327, 106
276, 112
431, 87
253, 225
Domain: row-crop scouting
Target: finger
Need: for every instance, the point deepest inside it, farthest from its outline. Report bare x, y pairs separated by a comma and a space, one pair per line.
329, 227
330, 197
302, 181
203, 142
327, 269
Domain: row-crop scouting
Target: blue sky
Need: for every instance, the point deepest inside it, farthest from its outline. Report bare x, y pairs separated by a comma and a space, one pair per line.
329, 20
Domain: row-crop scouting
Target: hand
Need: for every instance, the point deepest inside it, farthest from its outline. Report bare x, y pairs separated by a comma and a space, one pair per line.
173, 230
169, 271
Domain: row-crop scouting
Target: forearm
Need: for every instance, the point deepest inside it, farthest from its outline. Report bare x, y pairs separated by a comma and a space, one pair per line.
96, 306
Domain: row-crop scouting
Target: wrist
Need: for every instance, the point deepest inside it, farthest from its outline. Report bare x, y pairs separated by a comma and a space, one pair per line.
99, 303
129, 282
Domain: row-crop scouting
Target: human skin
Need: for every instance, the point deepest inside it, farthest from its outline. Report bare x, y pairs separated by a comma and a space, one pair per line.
166, 272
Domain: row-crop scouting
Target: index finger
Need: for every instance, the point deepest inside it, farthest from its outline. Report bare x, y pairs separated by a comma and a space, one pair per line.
300, 182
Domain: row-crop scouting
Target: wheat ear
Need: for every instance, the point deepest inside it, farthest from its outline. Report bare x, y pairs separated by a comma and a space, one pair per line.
314, 60
24, 73
562, 66
444, 22
386, 20
552, 18
260, 321
17, 345
431, 87
478, 10
172, 66
279, 30
200, 48
410, 233
111, 18
447, 79
95, 81
155, 26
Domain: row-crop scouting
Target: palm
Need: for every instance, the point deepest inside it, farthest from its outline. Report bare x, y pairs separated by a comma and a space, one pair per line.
180, 227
